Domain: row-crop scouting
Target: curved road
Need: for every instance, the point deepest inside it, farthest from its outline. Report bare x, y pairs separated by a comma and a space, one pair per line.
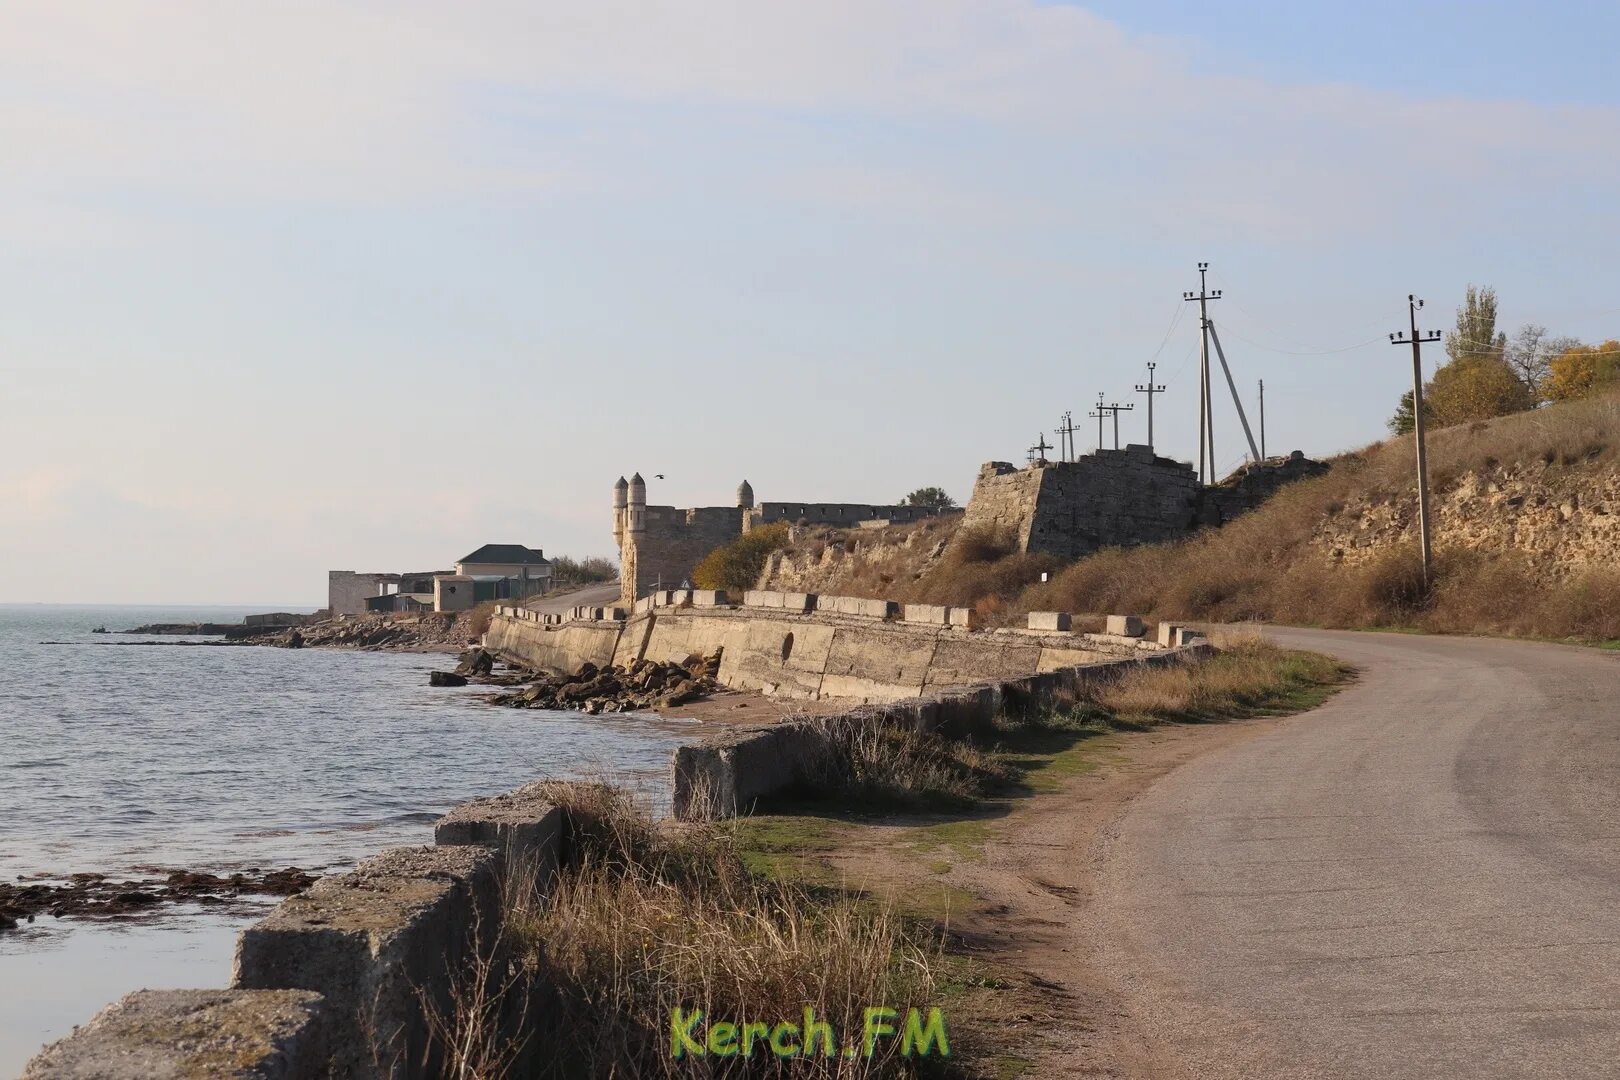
1420, 879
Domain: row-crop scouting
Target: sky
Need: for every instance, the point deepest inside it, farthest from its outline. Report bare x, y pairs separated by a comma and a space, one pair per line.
297, 287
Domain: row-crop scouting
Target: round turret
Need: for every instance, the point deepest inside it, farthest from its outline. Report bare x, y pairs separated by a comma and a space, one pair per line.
745, 495
621, 493
638, 491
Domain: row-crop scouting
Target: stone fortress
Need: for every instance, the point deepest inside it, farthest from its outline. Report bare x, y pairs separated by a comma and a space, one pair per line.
1117, 498
660, 546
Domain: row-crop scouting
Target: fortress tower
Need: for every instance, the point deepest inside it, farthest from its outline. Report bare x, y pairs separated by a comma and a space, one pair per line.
660, 546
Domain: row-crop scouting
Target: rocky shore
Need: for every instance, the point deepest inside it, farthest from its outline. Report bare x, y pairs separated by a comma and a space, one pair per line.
435, 632
642, 686
97, 895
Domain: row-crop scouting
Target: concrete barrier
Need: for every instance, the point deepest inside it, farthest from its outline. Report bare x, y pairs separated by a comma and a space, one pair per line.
183, 1034
1130, 626
381, 944
727, 775
522, 827
931, 614
1050, 620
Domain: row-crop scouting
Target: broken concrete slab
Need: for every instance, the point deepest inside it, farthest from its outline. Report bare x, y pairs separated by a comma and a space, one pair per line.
522, 826
381, 943
175, 1034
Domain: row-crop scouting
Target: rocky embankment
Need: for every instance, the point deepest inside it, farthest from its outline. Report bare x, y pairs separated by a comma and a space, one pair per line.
642, 686
441, 632
97, 895
437, 632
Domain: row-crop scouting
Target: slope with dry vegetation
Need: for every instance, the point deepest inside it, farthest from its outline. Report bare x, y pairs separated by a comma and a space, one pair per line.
1527, 543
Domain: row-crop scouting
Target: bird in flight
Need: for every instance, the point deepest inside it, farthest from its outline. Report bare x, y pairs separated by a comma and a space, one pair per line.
658, 476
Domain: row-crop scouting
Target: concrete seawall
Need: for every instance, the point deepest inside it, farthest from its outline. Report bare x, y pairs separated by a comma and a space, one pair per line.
726, 775
795, 645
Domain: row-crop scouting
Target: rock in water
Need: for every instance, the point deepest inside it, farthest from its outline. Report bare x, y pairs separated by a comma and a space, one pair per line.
446, 678
478, 661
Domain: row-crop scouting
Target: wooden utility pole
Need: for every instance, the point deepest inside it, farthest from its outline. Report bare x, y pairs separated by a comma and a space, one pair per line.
1262, 419
1206, 425
1417, 340
1150, 389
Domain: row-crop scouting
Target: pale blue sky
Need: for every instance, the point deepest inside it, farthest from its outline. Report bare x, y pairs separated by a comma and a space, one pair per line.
364, 286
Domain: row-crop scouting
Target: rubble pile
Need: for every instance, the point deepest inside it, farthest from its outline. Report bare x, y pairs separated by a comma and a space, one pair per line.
645, 684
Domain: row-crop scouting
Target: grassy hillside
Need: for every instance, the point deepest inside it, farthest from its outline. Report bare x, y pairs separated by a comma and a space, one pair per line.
1528, 543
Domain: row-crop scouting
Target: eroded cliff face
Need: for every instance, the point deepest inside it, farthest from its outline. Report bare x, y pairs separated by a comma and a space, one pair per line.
1559, 520
858, 562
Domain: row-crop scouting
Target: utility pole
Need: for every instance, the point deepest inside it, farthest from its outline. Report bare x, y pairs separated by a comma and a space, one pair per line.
1101, 411
1065, 435
1237, 402
1262, 419
1150, 389
1417, 340
1206, 418
1113, 410
1038, 451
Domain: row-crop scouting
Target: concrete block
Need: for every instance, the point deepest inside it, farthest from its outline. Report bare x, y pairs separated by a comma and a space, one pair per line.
860, 606
762, 598
1187, 635
377, 943
615, 614
175, 1034
964, 618
522, 826
709, 598
931, 614
679, 597
597, 614
1050, 620
1126, 626
1167, 633
799, 602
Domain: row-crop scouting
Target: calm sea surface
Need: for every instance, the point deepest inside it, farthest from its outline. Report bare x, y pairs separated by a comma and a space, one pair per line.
115, 757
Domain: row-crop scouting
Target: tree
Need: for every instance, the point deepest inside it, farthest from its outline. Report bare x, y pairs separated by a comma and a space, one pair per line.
1583, 369
1475, 335
932, 497
1475, 388
738, 566
1404, 419
1480, 380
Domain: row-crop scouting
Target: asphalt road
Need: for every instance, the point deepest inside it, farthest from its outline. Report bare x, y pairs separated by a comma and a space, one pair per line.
1420, 879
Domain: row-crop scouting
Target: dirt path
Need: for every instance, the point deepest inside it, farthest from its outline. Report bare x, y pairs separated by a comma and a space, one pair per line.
1033, 907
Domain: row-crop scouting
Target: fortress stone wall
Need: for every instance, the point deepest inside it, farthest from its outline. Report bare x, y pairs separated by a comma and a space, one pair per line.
1116, 498
660, 546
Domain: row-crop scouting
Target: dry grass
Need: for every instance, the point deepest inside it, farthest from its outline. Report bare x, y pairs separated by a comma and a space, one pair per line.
652, 919
1247, 676
891, 766
1264, 566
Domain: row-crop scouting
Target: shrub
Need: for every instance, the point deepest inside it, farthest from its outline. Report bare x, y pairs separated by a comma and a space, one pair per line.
566, 570
737, 566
